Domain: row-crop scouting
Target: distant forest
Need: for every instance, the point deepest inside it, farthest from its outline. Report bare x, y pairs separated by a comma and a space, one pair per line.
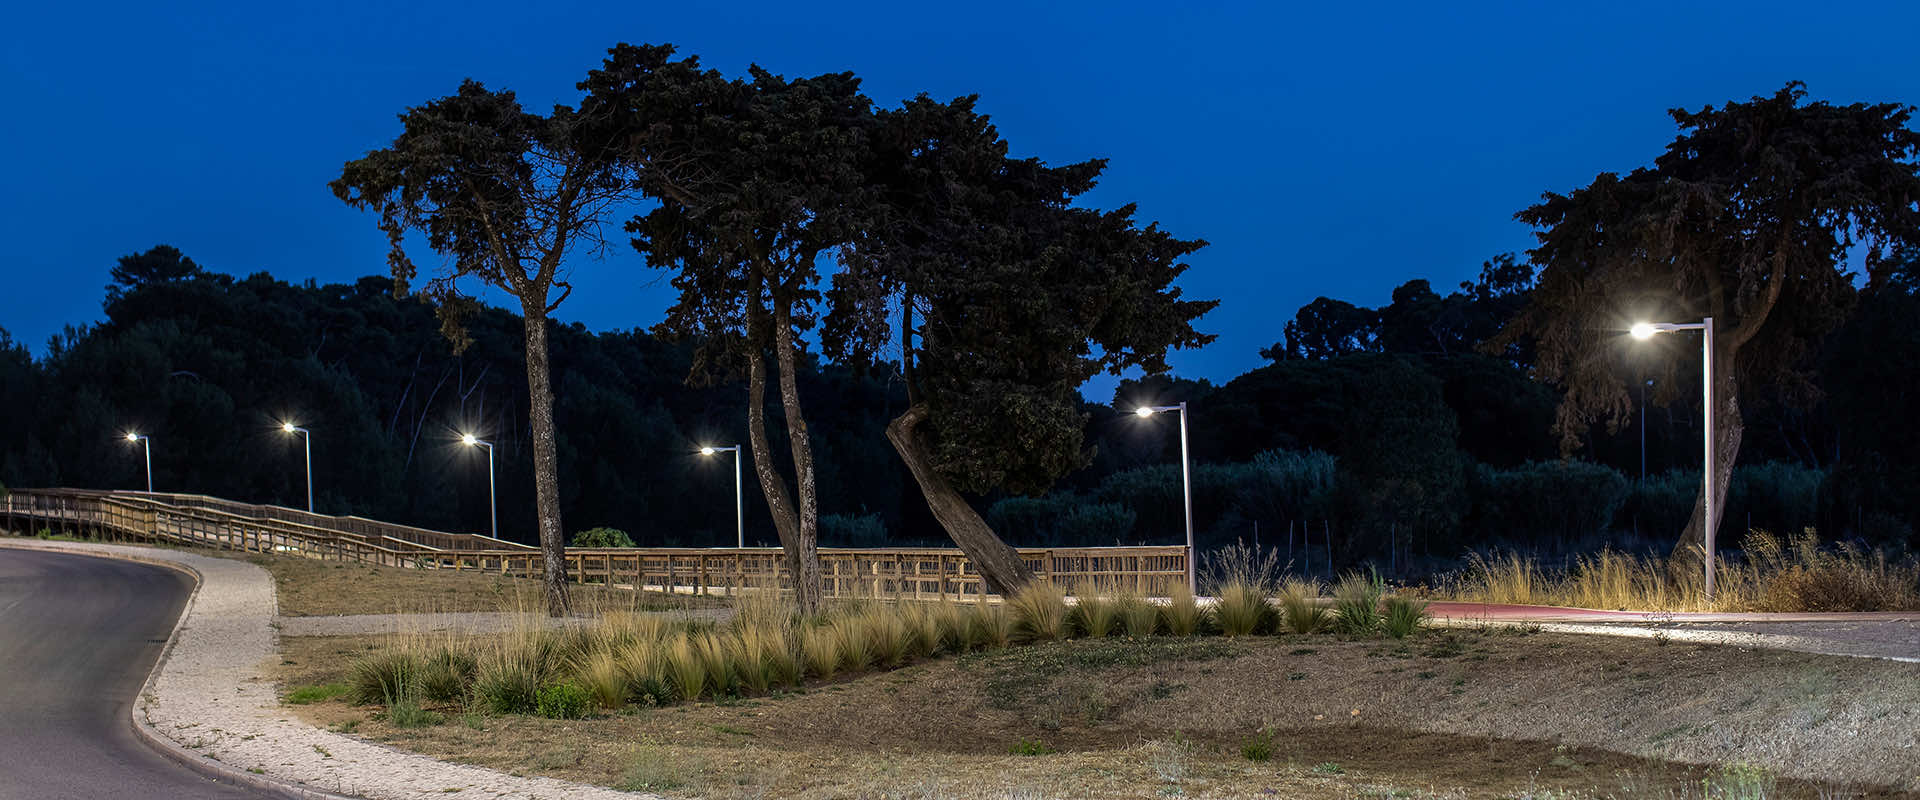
1390, 431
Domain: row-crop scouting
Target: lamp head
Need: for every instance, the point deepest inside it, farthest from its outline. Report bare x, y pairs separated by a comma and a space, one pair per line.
132, 437
706, 451
1144, 411
468, 440
286, 426
1643, 330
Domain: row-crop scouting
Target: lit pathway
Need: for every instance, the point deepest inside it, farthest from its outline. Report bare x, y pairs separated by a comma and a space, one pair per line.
1891, 635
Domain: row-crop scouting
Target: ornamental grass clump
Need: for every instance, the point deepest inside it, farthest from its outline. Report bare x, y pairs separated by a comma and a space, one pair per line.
820, 647
886, 627
1242, 610
994, 625
1404, 615
1356, 604
642, 668
378, 678
1182, 614
604, 678
1039, 612
859, 648
445, 673
684, 666
1300, 608
1095, 617
512, 671
1138, 617
723, 675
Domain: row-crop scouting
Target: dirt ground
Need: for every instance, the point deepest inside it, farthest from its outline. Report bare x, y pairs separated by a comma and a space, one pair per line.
1493, 713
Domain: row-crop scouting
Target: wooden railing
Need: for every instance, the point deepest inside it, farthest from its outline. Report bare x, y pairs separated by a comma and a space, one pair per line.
920, 573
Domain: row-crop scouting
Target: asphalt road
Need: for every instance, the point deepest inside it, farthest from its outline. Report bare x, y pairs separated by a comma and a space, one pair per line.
78, 636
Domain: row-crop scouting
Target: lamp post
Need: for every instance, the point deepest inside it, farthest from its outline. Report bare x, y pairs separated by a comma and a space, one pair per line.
493, 510
306, 440
148, 445
739, 514
1186, 484
1647, 330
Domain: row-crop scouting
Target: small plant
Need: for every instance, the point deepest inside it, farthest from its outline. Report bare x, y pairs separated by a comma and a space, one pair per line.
1300, 609
859, 644
566, 700
1138, 618
1032, 747
605, 679
1242, 610
820, 649
1039, 612
1329, 768
1356, 604
995, 626
601, 537
1739, 781
1182, 613
892, 639
1404, 615
511, 673
685, 669
314, 694
445, 674
405, 712
1259, 747
723, 674
383, 675
1095, 617
642, 671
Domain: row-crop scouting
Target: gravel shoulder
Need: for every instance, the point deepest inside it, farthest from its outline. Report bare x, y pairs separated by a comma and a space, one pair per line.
214, 694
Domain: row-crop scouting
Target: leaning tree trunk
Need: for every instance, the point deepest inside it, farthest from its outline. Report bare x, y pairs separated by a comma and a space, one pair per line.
546, 461
1728, 429
1001, 567
804, 557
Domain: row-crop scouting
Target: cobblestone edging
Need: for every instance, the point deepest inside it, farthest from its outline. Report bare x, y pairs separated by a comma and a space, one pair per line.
212, 698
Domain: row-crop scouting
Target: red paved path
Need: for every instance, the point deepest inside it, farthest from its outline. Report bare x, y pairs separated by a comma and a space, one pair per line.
1500, 612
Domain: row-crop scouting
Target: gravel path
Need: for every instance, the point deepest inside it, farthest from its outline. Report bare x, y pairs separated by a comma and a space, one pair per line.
213, 694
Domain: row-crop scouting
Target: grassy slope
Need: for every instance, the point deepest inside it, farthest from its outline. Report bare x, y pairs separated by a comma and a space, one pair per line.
1473, 713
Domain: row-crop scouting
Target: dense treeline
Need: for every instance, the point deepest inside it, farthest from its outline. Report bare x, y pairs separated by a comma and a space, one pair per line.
1427, 444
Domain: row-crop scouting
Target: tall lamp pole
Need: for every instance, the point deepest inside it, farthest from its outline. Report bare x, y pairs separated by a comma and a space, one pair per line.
739, 512
306, 440
493, 509
1647, 330
148, 445
1186, 484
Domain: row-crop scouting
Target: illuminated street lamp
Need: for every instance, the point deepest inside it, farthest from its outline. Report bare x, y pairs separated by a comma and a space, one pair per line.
493, 510
739, 515
1647, 330
1186, 483
148, 445
306, 439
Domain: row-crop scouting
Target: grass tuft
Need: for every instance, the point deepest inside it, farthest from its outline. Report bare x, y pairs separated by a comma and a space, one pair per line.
1095, 617
1242, 610
1404, 615
1138, 617
1300, 609
1039, 612
1356, 604
1182, 615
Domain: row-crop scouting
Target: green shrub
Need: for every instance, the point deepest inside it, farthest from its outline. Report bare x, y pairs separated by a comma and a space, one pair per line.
852, 530
1356, 604
512, 672
1095, 617
1039, 612
566, 700
1300, 609
445, 674
1061, 518
314, 694
1404, 615
382, 676
1259, 747
405, 712
601, 537
1031, 747
1545, 501
1242, 610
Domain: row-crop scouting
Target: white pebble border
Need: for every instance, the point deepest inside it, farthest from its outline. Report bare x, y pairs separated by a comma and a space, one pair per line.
212, 696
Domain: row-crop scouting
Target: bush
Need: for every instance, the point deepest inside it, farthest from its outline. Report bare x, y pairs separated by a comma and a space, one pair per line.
405, 712
1356, 604
1039, 612
1259, 747
1545, 501
852, 530
446, 673
379, 678
1060, 519
1300, 609
601, 537
1255, 567
512, 672
1242, 610
566, 700
1404, 615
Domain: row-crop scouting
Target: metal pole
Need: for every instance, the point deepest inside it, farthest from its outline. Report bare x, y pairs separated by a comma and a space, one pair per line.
1707, 476
739, 511
1186, 495
147, 445
306, 438
1643, 430
493, 507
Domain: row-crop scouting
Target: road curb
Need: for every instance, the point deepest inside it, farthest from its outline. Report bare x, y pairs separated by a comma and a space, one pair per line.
144, 730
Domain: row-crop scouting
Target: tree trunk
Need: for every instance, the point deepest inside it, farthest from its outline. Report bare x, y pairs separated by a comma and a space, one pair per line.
804, 557
799, 554
1000, 566
546, 461
1728, 429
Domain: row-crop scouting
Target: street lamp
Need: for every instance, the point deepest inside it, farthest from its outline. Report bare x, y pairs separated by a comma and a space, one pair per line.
1647, 330
493, 510
739, 515
306, 439
148, 445
1186, 484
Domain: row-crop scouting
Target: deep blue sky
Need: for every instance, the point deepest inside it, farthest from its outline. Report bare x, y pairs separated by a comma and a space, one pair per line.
1323, 151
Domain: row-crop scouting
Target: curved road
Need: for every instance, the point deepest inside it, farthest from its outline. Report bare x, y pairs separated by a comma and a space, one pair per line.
78, 636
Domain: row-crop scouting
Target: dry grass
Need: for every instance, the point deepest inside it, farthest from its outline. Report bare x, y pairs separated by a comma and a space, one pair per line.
1795, 575
1165, 717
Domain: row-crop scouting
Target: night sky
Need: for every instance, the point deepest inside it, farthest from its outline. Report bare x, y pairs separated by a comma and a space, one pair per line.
1323, 151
